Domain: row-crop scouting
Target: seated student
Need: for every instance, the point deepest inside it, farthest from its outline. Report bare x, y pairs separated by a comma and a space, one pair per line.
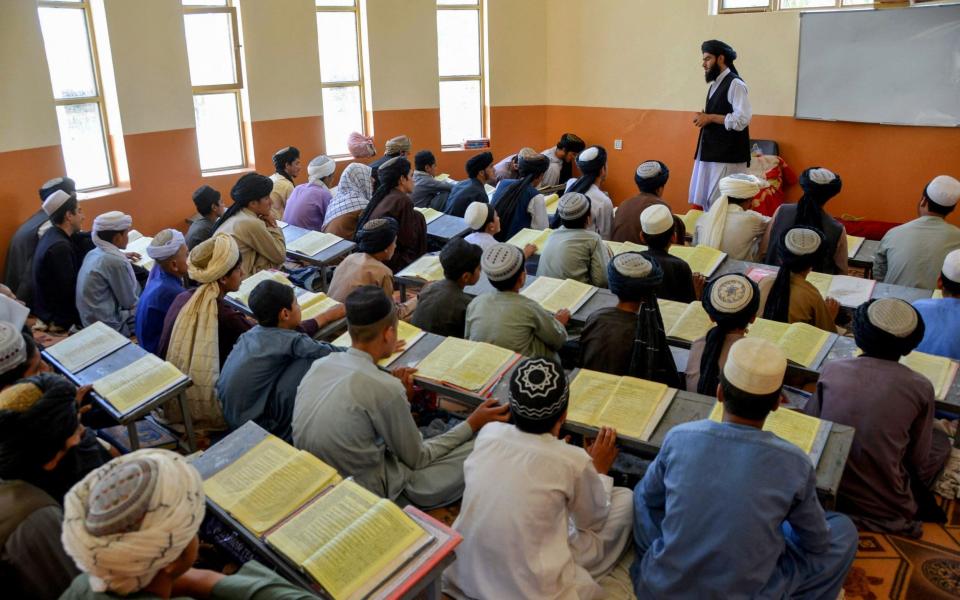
593, 165
896, 452
657, 229
351, 197
131, 527
912, 253
391, 199
727, 510
396, 147
249, 221
258, 381
307, 205
39, 429
732, 302
540, 518
473, 188
442, 308
286, 164
942, 315
789, 297
57, 262
507, 168
628, 339
207, 201
819, 186
376, 243
428, 192
651, 178
730, 226
169, 252
518, 202
574, 251
107, 288
356, 417
485, 223
562, 157
508, 319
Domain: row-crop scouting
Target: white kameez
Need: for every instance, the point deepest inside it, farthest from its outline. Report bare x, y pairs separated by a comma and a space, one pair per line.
707, 175
601, 209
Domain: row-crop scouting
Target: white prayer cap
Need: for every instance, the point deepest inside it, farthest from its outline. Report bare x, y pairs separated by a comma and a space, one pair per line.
893, 315
632, 264
13, 350
740, 185
821, 176
165, 244
656, 219
944, 190
589, 154
951, 266
802, 241
476, 215
320, 167
649, 169
112, 221
730, 293
755, 366
500, 262
573, 205
54, 201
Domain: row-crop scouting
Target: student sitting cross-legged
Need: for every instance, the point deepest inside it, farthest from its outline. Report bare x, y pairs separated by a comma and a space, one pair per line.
727, 510
165, 283
574, 251
508, 319
259, 380
356, 417
540, 518
897, 452
443, 304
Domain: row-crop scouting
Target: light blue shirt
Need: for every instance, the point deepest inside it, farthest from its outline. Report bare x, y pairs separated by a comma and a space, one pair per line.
107, 292
941, 319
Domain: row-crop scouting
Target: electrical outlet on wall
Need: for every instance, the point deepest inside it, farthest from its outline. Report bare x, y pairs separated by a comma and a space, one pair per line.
618, 144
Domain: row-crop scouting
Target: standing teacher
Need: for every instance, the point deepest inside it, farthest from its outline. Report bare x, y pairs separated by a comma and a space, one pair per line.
723, 147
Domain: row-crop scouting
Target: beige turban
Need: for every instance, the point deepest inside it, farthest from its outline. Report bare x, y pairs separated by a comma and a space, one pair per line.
195, 340
130, 518
396, 145
738, 186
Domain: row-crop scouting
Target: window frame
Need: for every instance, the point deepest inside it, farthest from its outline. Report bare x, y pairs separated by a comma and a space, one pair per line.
235, 88
480, 78
98, 99
359, 84
774, 6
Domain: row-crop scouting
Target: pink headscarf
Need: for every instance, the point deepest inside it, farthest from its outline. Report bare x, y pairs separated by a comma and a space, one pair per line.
360, 145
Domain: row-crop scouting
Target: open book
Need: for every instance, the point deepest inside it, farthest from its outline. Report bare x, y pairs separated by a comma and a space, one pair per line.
489, 189
551, 202
427, 267
937, 295
86, 347
702, 259
141, 381
411, 334
621, 247
525, 236
268, 483
429, 214
246, 286
312, 304
313, 243
349, 540
848, 291
853, 245
690, 219
471, 366
555, 294
632, 406
137, 242
800, 342
686, 322
940, 370
807, 433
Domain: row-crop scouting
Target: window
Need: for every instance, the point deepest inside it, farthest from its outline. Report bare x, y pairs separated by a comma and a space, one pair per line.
460, 47
341, 73
767, 5
213, 51
77, 92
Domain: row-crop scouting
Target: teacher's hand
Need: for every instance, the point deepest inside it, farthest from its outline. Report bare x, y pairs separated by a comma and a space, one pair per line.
702, 119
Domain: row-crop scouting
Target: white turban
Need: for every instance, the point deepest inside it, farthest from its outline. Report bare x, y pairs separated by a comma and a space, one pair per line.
320, 167
130, 518
739, 186
112, 221
165, 244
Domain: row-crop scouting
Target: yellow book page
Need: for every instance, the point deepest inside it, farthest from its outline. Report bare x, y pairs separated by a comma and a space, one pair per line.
569, 294
442, 177
772, 331
551, 202
247, 285
853, 245
589, 392
692, 324
88, 346
526, 236
443, 359
670, 312
312, 304
797, 428
632, 406
615, 248
821, 281
139, 245
802, 342
429, 214
937, 294
938, 369
405, 331
702, 259
541, 288
479, 366
228, 485
141, 380
427, 267
313, 243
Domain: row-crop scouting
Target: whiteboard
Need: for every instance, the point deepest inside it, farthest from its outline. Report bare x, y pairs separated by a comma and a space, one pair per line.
897, 66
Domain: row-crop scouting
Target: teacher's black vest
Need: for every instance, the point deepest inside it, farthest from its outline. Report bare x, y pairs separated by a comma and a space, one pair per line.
716, 143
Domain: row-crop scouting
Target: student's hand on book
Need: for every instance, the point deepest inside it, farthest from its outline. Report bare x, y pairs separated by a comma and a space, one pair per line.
562, 315
82, 392
603, 450
699, 282
833, 307
405, 375
196, 583
132, 256
489, 411
331, 314
529, 250
400, 346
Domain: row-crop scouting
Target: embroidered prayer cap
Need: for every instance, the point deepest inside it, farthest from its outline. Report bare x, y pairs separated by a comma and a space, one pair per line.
132, 517
887, 327
656, 219
893, 316
320, 167
718, 48
284, 156
13, 350
538, 390
943, 190
592, 160
37, 417
651, 175
212, 259
820, 183
250, 188
802, 241
360, 146
377, 234
50, 186
165, 244
113, 220
648, 169
730, 293
396, 145
740, 186
477, 215
20, 397
572, 206
476, 164
500, 262
368, 304
951, 266
632, 276
55, 200
755, 366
